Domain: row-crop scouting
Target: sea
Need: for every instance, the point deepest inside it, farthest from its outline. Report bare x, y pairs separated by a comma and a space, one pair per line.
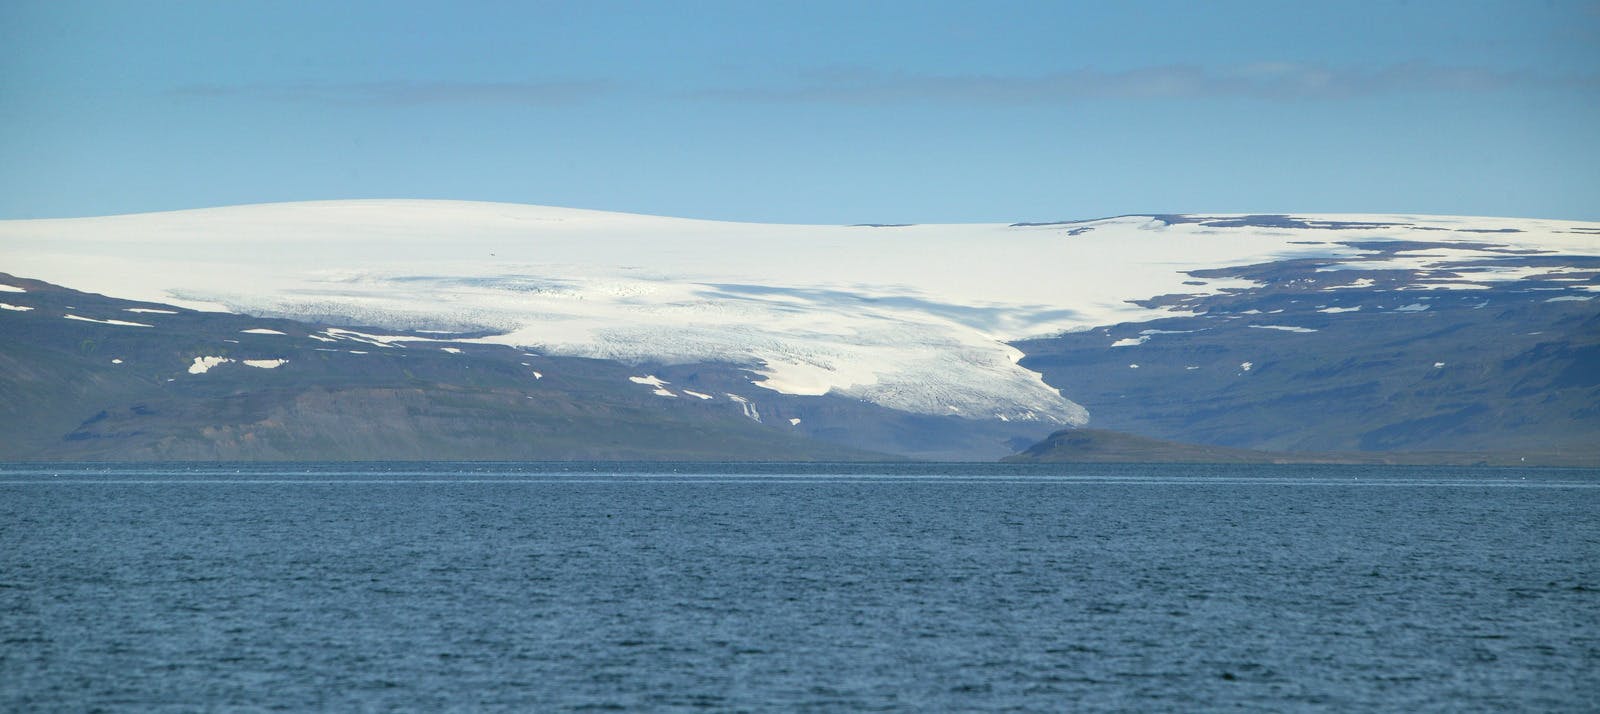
797, 587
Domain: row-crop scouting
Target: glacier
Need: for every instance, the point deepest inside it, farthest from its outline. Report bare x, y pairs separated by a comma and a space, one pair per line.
915, 317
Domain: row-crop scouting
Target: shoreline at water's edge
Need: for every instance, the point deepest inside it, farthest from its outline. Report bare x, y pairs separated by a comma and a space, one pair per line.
1104, 446
754, 468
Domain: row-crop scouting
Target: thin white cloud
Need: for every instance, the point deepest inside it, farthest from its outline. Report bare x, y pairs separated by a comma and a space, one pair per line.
1269, 81
532, 93
1265, 81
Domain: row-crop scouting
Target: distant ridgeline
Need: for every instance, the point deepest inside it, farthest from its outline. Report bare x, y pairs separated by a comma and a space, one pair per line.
417, 330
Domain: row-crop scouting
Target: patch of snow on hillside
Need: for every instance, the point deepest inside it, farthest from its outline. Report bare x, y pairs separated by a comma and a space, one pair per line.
1413, 307
10, 289
1337, 310
120, 323
748, 406
14, 308
1571, 298
265, 363
117, 360
699, 395
1358, 283
261, 331
202, 365
1510, 273
1246, 366
1131, 341
451, 350
1285, 328
149, 311
374, 340
654, 381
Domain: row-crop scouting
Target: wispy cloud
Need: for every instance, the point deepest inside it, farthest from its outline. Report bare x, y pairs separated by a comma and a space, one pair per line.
531, 93
1266, 81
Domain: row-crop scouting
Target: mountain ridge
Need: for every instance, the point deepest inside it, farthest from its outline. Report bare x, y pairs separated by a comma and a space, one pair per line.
944, 341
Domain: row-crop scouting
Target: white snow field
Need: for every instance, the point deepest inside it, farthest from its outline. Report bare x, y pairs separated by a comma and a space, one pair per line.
910, 317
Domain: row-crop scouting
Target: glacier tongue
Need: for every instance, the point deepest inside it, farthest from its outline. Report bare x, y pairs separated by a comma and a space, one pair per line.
909, 317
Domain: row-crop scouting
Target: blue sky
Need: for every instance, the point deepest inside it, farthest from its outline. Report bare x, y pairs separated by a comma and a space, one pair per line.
807, 111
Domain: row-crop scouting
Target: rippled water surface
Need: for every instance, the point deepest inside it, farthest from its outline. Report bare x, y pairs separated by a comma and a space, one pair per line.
888, 587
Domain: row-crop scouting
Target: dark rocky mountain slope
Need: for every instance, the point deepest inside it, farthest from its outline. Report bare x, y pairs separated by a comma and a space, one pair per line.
1353, 361
74, 389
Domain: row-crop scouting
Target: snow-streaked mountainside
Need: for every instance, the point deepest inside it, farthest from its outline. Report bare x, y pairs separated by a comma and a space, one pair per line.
916, 318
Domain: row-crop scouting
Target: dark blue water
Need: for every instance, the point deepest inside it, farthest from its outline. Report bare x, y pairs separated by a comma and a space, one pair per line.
911, 588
